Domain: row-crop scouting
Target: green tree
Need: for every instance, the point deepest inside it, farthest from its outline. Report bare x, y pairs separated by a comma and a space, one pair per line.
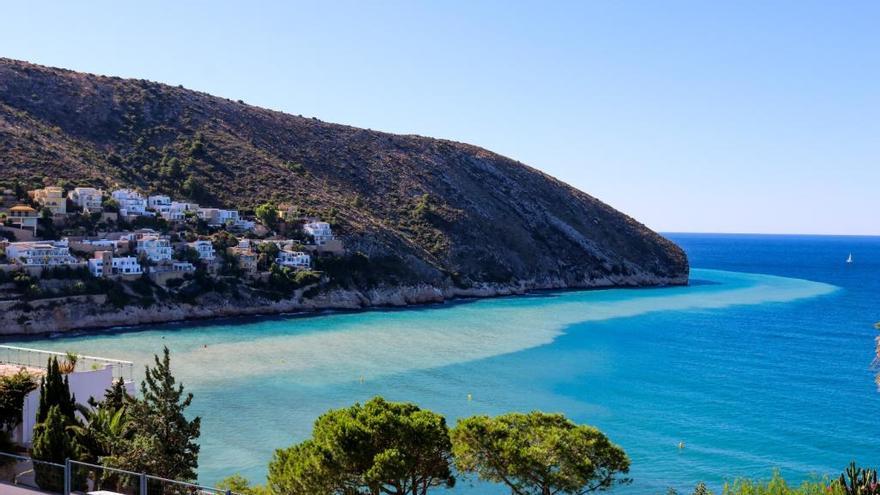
267, 214
240, 485
52, 443
55, 391
379, 447
13, 389
538, 454
160, 439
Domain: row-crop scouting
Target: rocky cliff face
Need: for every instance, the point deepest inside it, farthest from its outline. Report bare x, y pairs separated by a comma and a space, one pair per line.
450, 215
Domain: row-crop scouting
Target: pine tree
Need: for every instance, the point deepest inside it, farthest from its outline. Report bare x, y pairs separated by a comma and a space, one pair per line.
162, 441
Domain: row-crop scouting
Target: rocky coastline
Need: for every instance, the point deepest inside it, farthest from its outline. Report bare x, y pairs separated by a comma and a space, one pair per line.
91, 313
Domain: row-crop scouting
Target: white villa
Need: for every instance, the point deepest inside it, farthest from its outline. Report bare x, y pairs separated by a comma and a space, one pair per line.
124, 265
183, 266
155, 247
216, 217
51, 198
293, 259
87, 198
320, 231
130, 202
90, 378
40, 253
204, 248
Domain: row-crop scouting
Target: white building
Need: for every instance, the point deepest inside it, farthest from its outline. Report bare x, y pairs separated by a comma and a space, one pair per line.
183, 266
204, 248
40, 253
87, 198
105, 244
293, 259
157, 201
124, 265
320, 231
130, 202
155, 247
216, 217
91, 378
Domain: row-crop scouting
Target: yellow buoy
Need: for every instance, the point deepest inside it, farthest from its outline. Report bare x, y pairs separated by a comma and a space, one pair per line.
680, 445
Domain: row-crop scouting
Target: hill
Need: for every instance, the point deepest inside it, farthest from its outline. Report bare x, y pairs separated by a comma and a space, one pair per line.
442, 213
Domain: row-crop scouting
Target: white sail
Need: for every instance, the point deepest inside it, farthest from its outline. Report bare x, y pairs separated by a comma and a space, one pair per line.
849, 258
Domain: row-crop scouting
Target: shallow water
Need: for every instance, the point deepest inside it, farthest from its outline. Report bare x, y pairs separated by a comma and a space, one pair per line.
752, 371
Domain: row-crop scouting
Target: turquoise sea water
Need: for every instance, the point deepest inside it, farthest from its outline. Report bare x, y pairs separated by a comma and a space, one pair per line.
762, 362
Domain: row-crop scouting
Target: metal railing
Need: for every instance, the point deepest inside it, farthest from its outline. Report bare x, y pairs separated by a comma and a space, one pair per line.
80, 478
24, 472
37, 358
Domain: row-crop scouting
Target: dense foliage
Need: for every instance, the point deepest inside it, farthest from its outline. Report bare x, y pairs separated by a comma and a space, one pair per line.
158, 438
13, 389
388, 447
538, 454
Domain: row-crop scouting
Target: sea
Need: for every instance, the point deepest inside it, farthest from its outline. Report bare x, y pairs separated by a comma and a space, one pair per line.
762, 363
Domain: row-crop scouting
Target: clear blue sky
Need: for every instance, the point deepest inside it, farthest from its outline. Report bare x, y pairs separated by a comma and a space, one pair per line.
690, 116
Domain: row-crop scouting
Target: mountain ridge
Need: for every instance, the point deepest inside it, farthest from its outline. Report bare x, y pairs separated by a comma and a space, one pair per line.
449, 213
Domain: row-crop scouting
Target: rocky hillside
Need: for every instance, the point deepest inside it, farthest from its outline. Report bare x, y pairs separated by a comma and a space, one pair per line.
446, 213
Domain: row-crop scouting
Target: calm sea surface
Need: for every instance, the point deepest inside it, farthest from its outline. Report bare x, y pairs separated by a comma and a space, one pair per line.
762, 363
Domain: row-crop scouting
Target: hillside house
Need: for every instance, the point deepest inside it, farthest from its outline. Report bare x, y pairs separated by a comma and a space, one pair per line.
40, 253
118, 265
320, 231
247, 258
154, 247
87, 198
204, 248
52, 198
24, 217
293, 259
131, 203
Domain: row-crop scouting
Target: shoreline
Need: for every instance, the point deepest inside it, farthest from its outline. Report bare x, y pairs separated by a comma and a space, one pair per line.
88, 317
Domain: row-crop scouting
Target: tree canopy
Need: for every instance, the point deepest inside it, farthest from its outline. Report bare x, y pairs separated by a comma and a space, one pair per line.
538, 454
160, 439
378, 447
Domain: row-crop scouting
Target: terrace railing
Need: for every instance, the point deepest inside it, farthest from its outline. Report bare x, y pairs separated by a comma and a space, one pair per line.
80, 478
37, 358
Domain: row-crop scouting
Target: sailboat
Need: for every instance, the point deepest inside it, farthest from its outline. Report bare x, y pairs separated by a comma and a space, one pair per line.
849, 258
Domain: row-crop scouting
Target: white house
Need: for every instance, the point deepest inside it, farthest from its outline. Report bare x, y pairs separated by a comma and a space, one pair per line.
40, 253
155, 247
157, 201
123, 265
87, 198
320, 231
91, 378
130, 202
183, 266
293, 259
105, 244
216, 217
204, 248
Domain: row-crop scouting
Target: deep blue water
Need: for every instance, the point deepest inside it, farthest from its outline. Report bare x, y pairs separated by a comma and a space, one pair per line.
751, 372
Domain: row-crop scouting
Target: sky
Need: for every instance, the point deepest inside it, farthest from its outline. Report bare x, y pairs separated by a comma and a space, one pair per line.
744, 116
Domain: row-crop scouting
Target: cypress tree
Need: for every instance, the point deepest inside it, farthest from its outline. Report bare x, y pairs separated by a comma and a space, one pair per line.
52, 443
55, 391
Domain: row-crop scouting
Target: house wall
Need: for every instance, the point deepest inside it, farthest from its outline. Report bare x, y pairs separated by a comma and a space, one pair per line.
83, 385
